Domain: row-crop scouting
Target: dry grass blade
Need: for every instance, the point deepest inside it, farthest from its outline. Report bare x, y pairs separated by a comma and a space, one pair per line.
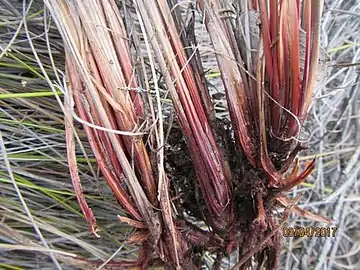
71, 158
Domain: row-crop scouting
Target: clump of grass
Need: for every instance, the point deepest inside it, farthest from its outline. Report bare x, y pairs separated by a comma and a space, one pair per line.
235, 175
260, 93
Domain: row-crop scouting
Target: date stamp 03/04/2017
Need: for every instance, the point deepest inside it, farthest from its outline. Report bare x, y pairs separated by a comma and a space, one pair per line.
309, 231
